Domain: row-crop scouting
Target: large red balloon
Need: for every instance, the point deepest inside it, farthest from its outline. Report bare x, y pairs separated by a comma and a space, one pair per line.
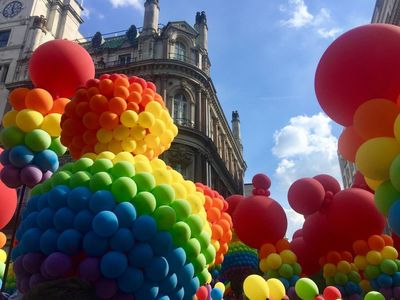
8, 202
360, 65
306, 195
60, 67
258, 220
233, 201
307, 257
359, 182
329, 183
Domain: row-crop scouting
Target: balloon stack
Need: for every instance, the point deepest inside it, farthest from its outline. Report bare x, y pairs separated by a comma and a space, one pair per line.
116, 113
8, 201
212, 293
3, 256
220, 221
339, 271
256, 288
378, 260
278, 261
31, 137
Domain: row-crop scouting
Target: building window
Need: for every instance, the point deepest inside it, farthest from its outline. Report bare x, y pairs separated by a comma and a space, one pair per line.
124, 59
3, 73
181, 169
4, 36
181, 110
180, 51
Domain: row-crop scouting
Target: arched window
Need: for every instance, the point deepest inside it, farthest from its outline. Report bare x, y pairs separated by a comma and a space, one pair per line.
180, 51
181, 110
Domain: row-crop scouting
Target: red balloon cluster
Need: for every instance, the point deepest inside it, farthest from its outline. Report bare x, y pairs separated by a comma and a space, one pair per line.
258, 219
8, 202
334, 219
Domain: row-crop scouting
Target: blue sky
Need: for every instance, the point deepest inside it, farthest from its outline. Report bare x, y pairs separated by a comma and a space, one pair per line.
263, 54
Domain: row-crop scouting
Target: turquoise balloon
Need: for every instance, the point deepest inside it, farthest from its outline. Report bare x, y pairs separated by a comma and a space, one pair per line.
124, 189
182, 209
100, 181
374, 296
12, 136
144, 202
165, 217
38, 140
123, 169
101, 165
164, 194
385, 196
145, 182
57, 146
306, 289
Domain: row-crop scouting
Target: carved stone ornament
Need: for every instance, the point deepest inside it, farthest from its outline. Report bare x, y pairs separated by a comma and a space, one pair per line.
180, 155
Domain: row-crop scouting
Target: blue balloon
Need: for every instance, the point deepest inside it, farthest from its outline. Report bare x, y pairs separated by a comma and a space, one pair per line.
216, 294
58, 196
294, 279
19, 233
141, 255
101, 200
70, 241
178, 294
148, 291
105, 223
83, 221
351, 288
4, 157
396, 279
78, 198
94, 245
113, 264
176, 259
126, 214
161, 243
131, 280
15, 253
20, 156
157, 270
64, 218
144, 228
192, 287
185, 274
385, 280
163, 297
45, 218
43, 201
30, 220
30, 241
393, 217
122, 240
48, 241
46, 160
374, 284
285, 282
169, 284
32, 204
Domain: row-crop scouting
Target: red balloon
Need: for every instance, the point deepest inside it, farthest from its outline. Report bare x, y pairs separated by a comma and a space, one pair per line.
329, 183
298, 233
306, 196
202, 293
232, 203
332, 293
316, 232
354, 70
258, 220
319, 297
307, 257
359, 182
396, 241
60, 67
8, 202
261, 181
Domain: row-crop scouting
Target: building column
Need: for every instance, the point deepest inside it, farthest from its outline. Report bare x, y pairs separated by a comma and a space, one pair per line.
198, 110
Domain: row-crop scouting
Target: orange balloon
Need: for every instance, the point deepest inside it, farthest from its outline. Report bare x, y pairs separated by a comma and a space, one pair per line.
375, 118
349, 142
227, 237
213, 214
109, 120
91, 120
333, 257
266, 250
388, 240
17, 98
208, 203
360, 247
376, 242
148, 91
282, 244
70, 108
135, 87
106, 87
133, 106
98, 103
218, 203
117, 105
223, 248
121, 81
92, 91
82, 95
216, 231
134, 97
146, 98
3, 240
39, 100
224, 224
121, 91
82, 108
59, 105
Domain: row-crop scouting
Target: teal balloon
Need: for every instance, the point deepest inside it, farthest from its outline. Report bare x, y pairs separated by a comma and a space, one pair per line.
100, 181
101, 165
57, 146
306, 289
81, 178
37, 140
164, 194
144, 202
12, 136
165, 217
82, 164
388, 266
180, 233
385, 196
372, 272
195, 223
182, 209
124, 189
145, 182
395, 173
374, 296
123, 169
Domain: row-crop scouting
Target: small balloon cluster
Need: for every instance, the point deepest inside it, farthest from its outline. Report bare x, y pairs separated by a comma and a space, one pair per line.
306, 289
220, 221
378, 260
278, 261
117, 113
207, 292
339, 271
31, 137
256, 288
3, 256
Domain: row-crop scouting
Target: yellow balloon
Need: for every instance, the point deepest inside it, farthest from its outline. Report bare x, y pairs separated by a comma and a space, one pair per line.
274, 261
195, 203
10, 118
360, 262
344, 267
174, 130
220, 285
52, 124
389, 252
142, 167
128, 145
121, 133
115, 147
167, 137
155, 108
92, 156
374, 257
263, 265
29, 119
3, 256
176, 176
162, 176
146, 119
255, 288
372, 183
141, 147
129, 118
329, 269
180, 191
288, 257
276, 289
124, 156
141, 158
138, 133
396, 128
365, 285
100, 147
158, 128
375, 156
190, 186
106, 154
104, 136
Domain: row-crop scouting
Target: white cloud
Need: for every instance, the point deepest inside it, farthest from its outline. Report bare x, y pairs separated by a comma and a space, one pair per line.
85, 13
295, 221
300, 15
100, 16
325, 33
137, 4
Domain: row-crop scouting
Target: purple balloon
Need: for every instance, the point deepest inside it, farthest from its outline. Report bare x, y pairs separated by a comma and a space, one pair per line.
31, 176
89, 269
58, 264
396, 292
46, 175
106, 288
44, 273
35, 280
18, 266
386, 292
292, 294
122, 296
354, 297
10, 176
24, 285
32, 262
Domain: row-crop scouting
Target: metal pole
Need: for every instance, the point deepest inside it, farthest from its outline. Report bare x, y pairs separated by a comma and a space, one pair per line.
21, 195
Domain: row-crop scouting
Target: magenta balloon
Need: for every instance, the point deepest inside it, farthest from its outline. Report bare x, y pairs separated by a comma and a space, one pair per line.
306, 196
329, 183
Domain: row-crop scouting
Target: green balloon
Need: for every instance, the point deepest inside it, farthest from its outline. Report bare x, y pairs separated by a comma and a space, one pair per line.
182, 209
61, 178
286, 270
123, 169
82, 164
37, 140
371, 272
100, 181
397, 261
165, 217
374, 296
45, 186
330, 280
12, 136
145, 203
340, 278
192, 249
36, 190
145, 182
354, 276
395, 173
306, 289
195, 223
385, 196
199, 264
203, 277
164, 194
272, 273
57, 146
81, 178
180, 233
388, 266
204, 239
209, 253
297, 269
67, 167
2, 269
101, 165
124, 189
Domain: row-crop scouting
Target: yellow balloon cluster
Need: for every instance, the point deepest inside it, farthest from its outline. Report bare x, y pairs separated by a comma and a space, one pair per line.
341, 273
256, 288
